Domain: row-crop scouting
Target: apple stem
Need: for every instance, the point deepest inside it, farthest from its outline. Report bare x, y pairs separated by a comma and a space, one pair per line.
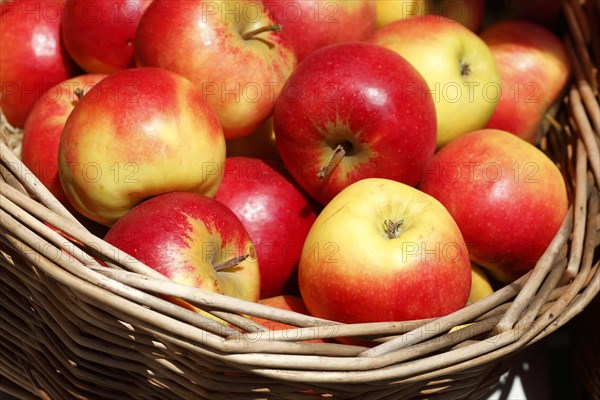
334, 159
465, 69
268, 28
232, 262
78, 94
392, 228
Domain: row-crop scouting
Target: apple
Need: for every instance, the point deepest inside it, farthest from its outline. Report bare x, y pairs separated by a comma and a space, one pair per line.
193, 240
229, 49
276, 213
383, 251
284, 302
481, 286
138, 133
99, 35
259, 143
534, 69
507, 197
459, 68
44, 126
352, 111
394, 10
310, 25
33, 58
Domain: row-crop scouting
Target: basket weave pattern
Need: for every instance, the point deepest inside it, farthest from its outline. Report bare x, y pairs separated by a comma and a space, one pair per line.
80, 319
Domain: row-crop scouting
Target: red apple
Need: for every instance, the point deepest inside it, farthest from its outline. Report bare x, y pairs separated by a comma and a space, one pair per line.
383, 251
138, 133
352, 111
276, 213
192, 239
534, 69
99, 35
44, 126
507, 197
284, 302
32, 58
310, 25
229, 49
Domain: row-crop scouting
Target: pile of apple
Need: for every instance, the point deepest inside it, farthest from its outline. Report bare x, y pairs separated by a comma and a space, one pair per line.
361, 158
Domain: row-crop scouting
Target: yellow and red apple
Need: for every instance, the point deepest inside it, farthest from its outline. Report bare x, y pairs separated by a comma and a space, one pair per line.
384, 251
138, 133
230, 50
192, 239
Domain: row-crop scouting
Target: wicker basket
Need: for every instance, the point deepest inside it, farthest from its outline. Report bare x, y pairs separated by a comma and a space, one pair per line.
72, 329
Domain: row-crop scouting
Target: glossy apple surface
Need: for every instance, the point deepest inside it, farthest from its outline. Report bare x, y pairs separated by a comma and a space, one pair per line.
276, 213
364, 98
99, 35
138, 133
44, 126
384, 251
33, 58
508, 198
204, 40
534, 69
186, 237
310, 25
459, 68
